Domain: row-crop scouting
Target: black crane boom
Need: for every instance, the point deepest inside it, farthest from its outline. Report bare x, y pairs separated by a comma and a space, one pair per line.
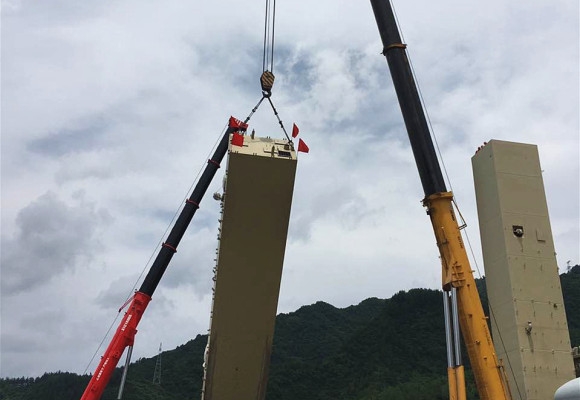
409, 100
191, 205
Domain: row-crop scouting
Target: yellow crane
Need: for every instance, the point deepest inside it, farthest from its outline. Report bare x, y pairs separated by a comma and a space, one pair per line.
461, 299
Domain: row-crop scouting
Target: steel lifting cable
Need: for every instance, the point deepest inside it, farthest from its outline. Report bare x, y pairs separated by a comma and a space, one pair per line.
269, 28
266, 96
267, 77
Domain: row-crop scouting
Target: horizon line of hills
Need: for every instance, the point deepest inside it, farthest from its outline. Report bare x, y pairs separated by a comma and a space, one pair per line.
380, 349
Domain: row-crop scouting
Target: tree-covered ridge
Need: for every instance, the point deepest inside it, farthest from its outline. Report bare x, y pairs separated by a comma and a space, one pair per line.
571, 292
378, 349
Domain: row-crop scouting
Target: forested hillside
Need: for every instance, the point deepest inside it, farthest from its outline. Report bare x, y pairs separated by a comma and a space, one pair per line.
378, 349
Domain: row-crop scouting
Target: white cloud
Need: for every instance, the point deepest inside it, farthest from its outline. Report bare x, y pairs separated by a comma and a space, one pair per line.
123, 101
52, 239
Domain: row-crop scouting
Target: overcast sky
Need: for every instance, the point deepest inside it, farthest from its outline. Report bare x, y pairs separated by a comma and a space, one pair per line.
110, 108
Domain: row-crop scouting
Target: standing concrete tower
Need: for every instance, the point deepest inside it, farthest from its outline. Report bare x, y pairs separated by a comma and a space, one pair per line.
527, 313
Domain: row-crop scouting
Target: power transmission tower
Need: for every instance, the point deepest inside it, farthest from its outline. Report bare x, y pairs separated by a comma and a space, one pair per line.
157, 373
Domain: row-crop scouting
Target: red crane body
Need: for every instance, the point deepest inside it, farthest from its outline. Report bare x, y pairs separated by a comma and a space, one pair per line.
124, 337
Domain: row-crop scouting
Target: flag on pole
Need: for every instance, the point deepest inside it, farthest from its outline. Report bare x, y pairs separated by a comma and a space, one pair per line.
295, 131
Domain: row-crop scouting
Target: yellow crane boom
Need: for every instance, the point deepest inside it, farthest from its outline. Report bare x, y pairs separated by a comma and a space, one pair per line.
457, 274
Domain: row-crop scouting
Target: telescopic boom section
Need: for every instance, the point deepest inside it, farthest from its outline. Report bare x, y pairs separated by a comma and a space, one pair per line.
439, 203
409, 101
125, 334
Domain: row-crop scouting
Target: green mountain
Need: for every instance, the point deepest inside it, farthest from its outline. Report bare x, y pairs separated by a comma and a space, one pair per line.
378, 349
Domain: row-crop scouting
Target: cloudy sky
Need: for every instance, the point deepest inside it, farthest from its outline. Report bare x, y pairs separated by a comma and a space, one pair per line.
110, 108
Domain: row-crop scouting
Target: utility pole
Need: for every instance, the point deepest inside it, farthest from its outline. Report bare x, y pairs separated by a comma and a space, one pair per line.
157, 373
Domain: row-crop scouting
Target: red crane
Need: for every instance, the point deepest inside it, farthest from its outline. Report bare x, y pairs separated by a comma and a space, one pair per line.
125, 335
